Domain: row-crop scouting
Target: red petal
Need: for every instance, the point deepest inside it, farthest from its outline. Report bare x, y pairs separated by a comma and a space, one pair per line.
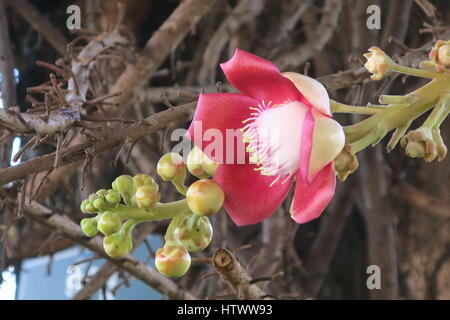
249, 198
306, 146
220, 111
259, 78
311, 199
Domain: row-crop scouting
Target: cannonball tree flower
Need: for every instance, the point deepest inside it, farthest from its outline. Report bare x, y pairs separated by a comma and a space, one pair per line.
289, 106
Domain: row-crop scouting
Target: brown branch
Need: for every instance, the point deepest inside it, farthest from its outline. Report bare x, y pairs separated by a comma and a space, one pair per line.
291, 13
156, 50
58, 121
244, 12
326, 242
65, 226
158, 47
304, 52
174, 94
53, 36
104, 143
108, 269
232, 272
379, 210
8, 85
423, 200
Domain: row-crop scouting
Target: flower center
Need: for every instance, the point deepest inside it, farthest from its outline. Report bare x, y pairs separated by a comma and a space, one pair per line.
273, 134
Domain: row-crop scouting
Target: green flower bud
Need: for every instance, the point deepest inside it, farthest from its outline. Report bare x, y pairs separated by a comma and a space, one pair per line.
205, 197
195, 233
117, 245
113, 197
209, 165
171, 168
90, 208
124, 184
83, 206
89, 226
109, 223
172, 261
146, 197
194, 163
100, 204
101, 193
200, 165
140, 180
92, 197
419, 143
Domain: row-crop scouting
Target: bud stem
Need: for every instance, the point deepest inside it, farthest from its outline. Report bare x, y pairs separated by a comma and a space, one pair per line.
338, 107
415, 72
181, 188
439, 113
160, 212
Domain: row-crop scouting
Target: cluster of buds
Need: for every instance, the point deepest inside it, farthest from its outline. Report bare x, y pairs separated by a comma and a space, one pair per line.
136, 199
439, 57
191, 230
425, 142
139, 191
187, 232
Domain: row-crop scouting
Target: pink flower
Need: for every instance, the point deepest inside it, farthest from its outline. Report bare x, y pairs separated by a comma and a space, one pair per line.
286, 123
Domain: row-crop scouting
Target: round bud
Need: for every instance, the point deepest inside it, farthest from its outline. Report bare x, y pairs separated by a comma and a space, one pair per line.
171, 167
100, 204
92, 197
90, 208
101, 193
415, 149
124, 185
109, 223
146, 197
209, 165
140, 180
443, 55
117, 245
205, 197
194, 163
195, 233
83, 206
89, 226
172, 261
113, 197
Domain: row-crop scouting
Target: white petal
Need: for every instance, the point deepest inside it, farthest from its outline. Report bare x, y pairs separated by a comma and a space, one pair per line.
312, 89
328, 142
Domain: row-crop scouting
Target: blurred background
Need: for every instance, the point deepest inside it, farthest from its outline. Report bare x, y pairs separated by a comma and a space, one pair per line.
393, 212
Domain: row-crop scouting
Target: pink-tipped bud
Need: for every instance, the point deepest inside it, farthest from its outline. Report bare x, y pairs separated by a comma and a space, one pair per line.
141, 179
194, 163
172, 260
171, 167
443, 55
117, 245
146, 197
205, 197
200, 165
195, 233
